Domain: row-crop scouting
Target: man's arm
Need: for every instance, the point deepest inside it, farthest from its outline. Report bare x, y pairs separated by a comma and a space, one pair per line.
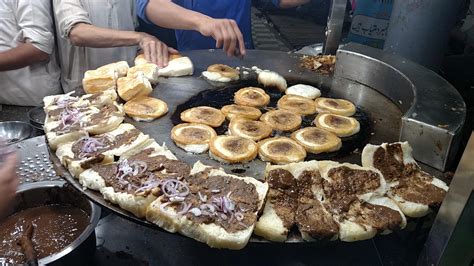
23, 55
75, 24
155, 51
167, 14
36, 39
88, 35
290, 3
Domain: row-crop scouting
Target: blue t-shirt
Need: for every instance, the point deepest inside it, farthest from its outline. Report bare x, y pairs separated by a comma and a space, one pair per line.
230, 9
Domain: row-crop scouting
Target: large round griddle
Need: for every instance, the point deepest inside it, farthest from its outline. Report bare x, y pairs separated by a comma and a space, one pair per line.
384, 115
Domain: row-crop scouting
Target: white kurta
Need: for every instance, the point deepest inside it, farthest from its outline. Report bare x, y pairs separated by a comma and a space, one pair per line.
28, 21
112, 14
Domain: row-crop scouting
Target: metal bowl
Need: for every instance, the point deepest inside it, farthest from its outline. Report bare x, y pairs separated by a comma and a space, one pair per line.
16, 131
37, 117
81, 250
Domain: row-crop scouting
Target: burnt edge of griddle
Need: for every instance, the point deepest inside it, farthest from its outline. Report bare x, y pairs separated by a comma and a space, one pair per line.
218, 97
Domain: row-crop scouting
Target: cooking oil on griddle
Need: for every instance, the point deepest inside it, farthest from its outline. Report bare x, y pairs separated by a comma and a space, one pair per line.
219, 97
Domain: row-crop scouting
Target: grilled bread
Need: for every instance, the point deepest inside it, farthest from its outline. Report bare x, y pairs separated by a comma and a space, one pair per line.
219, 209
193, 137
414, 190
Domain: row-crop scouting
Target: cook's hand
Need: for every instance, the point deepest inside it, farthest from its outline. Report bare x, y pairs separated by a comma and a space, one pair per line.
8, 181
227, 34
155, 51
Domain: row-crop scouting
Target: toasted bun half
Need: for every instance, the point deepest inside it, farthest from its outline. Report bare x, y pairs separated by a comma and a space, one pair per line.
282, 120
270, 79
232, 149
254, 130
233, 111
303, 90
203, 115
281, 150
177, 66
193, 137
340, 125
219, 73
130, 87
297, 104
316, 140
140, 60
149, 70
120, 67
335, 106
144, 108
96, 81
224, 71
251, 96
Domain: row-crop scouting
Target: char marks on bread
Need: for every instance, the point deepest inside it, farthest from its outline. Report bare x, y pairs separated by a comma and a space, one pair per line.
316, 140
335, 106
251, 96
221, 73
297, 104
340, 125
144, 108
193, 137
233, 111
282, 120
254, 130
280, 150
203, 115
232, 149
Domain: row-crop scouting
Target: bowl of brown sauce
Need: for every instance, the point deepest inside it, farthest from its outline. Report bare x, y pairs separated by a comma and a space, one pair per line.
49, 223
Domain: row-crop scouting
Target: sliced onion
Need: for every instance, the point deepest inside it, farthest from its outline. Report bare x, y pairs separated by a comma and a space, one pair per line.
139, 167
203, 198
239, 216
243, 225
131, 169
185, 209
164, 206
65, 100
196, 212
148, 185
208, 207
174, 187
177, 199
90, 146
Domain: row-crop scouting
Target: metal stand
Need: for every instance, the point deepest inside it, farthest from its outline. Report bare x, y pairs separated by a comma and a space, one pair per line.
419, 29
454, 222
334, 26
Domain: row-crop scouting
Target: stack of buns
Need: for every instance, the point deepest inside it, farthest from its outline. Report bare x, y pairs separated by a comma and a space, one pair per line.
134, 84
